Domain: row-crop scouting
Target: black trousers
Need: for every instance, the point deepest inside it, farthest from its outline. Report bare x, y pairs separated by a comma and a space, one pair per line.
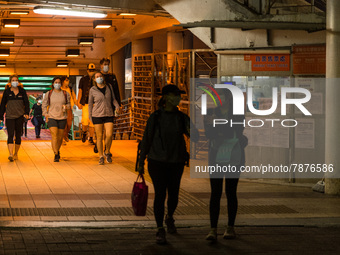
215, 199
14, 127
165, 177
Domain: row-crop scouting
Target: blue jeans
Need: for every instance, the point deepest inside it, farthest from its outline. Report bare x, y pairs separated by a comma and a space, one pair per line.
37, 121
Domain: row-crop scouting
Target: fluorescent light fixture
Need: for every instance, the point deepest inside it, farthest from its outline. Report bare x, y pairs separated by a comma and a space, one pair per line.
73, 53
85, 41
69, 12
127, 14
7, 40
2, 63
62, 63
4, 52
19, 12
11, 23
102, 23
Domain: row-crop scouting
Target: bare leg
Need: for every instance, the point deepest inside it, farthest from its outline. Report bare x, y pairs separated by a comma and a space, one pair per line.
99, 134
17, 147
54, 140
10, 148
60, 136
108, 136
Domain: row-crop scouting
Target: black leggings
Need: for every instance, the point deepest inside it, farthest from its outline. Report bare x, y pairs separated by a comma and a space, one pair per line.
215, 199
165, 176
14, 126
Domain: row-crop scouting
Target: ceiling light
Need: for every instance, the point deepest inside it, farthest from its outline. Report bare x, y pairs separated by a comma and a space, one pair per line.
102, 23
85, 41
11, 23
127, 14
62, 63
7, 40
2, 63
69, 12
72, 53
19, 12
4, 52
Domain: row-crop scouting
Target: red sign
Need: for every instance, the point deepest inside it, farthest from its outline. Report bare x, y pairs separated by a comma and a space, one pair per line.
269, 62
309, 59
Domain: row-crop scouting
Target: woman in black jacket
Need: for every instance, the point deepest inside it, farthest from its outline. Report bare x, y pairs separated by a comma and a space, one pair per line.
164, 144
16, 106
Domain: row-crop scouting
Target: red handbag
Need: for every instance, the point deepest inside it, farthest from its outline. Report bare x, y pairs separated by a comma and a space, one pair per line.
139, 196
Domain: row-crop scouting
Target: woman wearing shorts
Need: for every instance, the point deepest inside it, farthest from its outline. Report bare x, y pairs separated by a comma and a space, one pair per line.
55, 105
102, 105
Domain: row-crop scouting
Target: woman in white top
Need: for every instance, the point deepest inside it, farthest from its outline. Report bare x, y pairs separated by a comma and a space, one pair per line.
65, 81
102, 105
55, 105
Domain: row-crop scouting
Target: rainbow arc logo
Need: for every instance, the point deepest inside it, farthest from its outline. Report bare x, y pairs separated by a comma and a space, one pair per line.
209, 93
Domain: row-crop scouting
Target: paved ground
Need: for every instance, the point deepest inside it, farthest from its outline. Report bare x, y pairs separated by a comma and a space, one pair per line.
251, 240
77, 206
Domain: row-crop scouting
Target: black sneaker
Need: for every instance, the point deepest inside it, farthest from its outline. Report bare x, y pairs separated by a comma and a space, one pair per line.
101, 161
91, 141
160, 236
108, 157
170, 224
56, 157
95, 149
83, 138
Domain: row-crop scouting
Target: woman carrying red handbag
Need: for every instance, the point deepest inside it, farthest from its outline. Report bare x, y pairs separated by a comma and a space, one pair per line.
163, 142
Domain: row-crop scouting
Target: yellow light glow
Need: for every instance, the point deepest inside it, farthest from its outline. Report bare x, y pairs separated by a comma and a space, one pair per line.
19, 12
11, 25
103, 26
4, 55
127, 14
85, 43
62, 65
6, 42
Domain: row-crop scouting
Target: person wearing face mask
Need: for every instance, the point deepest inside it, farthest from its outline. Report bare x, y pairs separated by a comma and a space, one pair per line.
65, 86
102, 105
83, 99
164, 145
16, 106
55, 105
37, 119
110, 78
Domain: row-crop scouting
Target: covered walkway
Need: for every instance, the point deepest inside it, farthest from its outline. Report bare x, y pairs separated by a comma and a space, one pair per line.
35, 191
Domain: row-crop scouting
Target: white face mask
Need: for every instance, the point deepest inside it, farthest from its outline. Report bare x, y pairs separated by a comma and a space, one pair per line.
57, 85
100, 80
105, 68
39, 101
14, 84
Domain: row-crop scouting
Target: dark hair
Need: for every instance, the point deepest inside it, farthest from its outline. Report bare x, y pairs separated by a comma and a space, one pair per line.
54, 79
63, 78
12, 76
104, 60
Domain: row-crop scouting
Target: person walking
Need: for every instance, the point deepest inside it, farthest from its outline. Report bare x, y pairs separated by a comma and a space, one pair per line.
55, 105
65, 87
164, 145
37, 119
110, 78
16, 106
219, 137
83, 100
102, 105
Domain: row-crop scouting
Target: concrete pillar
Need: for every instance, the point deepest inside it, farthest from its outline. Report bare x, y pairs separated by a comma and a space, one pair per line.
332, 95
118, 68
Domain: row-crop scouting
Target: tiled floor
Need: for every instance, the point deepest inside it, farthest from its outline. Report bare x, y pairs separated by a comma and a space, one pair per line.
78, 182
